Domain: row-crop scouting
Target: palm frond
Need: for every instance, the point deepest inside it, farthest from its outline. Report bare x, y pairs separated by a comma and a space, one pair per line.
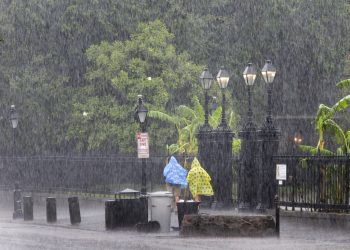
198, 107
215, 118
343, 84
332, 128
186, 112
341, 104
323, 113
163, 117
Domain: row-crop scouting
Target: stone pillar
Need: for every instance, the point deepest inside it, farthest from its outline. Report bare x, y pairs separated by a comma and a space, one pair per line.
268, 146
222, 178
248, 170
205, 156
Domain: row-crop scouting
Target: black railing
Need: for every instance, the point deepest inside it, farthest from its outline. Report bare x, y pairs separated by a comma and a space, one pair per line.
315, 183
91, 175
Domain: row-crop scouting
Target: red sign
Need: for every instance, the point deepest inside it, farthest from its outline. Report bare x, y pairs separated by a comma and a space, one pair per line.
142, 145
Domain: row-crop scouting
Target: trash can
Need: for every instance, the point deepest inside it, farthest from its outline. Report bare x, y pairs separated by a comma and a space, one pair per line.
186, 207
128, 209
161, 209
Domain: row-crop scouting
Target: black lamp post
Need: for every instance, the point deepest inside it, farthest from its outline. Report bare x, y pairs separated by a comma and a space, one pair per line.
268, 72
14, 124
206, 79
249, 76
247, 174
214, 104
269, 137
223, 78
142, 118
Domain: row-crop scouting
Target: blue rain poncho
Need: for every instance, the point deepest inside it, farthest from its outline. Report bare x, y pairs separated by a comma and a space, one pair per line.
175, 174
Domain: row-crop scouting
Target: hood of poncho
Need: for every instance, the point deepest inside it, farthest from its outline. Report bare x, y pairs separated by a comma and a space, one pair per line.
174, 173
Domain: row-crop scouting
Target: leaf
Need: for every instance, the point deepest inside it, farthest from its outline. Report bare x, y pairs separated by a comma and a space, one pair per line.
314, 150
335, 130
343, 84
341, 104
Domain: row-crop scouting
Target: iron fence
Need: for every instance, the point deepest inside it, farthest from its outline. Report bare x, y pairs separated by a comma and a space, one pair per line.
315, 183
86, 174
92, 175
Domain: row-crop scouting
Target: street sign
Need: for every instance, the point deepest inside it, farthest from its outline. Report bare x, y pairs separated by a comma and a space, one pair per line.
281, 172
142, 145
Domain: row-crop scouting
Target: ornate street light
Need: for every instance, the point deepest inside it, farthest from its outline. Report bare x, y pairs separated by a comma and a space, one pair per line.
142, 119
14, 123
249, 76
206, 79
141, 113
268, 72
223, 78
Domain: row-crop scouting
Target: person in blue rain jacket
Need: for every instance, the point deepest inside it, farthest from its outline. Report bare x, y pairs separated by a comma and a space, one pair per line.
175, 179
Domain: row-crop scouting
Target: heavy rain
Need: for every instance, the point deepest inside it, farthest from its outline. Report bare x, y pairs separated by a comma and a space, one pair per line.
148, 124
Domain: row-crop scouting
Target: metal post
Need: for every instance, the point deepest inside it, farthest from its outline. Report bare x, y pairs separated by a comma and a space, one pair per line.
14, 143
143, 177
269, 137
269, 104
223, 115
143, 167
250, 112
277, 228
17, 203
206, 117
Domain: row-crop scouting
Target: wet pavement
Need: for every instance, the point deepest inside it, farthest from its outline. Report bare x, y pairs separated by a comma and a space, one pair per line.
91, 233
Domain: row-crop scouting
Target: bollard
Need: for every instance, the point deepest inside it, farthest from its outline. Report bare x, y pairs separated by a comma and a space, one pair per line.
277, 228
51, 213
17, 203
27, 208
110, 216
74, 210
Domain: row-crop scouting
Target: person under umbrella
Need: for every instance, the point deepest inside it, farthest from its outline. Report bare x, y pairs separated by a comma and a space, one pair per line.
199, 181
175, 178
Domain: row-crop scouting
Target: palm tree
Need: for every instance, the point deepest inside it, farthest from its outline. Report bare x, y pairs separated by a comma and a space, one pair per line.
325, 124
187, 122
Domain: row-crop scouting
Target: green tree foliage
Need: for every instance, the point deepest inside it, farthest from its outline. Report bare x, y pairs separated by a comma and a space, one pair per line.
188, 121
146, 64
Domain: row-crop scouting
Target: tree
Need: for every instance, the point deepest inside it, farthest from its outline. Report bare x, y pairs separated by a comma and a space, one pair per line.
146, 64
188, 121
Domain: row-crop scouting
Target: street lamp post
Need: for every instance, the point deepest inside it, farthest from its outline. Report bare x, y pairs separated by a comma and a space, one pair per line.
142, 118
247, 169
249, 76
269, 139
206, 79
268, 72
14, 124
223, 78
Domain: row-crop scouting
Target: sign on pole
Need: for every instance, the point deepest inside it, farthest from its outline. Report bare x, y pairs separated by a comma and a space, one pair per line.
142, 145
281, 172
